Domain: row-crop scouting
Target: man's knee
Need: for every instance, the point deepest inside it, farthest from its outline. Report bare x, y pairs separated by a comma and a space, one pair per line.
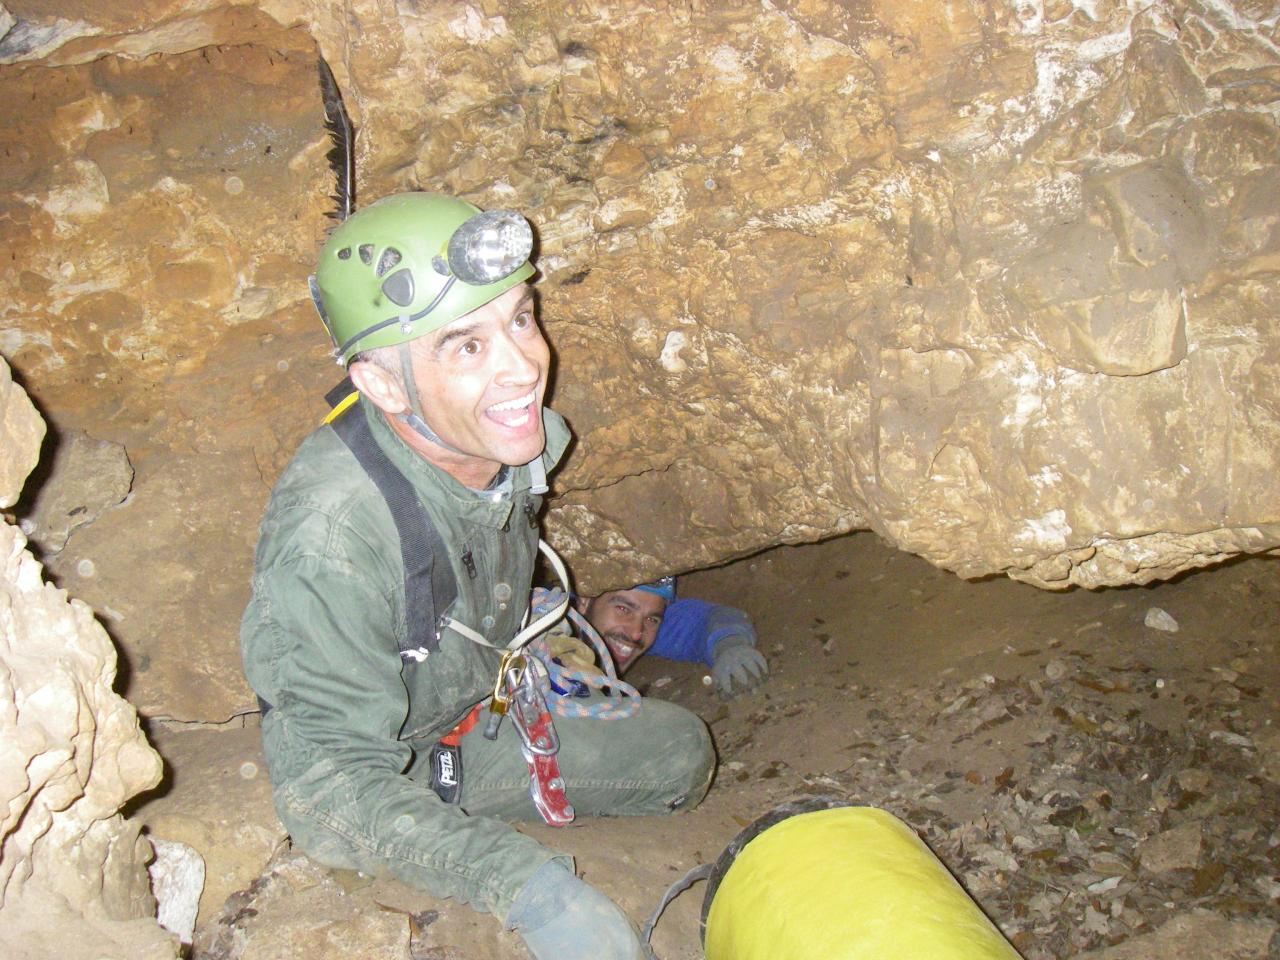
687, 752
327, 838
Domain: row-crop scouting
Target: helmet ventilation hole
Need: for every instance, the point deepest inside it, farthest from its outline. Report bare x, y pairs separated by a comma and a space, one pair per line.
390, 257
366, 253
344, 253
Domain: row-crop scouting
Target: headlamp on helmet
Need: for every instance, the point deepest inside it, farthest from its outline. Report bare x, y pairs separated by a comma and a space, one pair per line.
489, 247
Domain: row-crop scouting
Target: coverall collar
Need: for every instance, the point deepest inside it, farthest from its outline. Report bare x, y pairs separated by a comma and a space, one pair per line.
476, 506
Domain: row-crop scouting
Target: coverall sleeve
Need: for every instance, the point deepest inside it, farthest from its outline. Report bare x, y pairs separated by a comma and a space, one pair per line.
317, 646
691, 629
683, 632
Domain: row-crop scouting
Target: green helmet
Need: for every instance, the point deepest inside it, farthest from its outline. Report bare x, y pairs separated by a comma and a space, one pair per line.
410, 264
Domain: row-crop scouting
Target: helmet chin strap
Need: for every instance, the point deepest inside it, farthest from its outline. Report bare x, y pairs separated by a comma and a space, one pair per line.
537, 474
418, 423
415, 420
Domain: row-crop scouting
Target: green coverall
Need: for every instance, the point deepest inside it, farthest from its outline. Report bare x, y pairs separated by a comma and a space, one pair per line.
352, 720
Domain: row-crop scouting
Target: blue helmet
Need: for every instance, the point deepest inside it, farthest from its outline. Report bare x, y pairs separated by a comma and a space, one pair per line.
665, 588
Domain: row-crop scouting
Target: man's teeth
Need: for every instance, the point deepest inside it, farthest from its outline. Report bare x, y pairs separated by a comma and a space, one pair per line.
516, 404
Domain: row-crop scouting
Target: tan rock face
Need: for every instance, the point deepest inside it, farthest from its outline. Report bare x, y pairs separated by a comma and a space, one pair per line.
997, 282
24, 430
73, 878
169, 315
993, 282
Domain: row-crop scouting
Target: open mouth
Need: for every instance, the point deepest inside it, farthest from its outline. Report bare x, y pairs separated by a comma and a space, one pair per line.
513, 413
623, 650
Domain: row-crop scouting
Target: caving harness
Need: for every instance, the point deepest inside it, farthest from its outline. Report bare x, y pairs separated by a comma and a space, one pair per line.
428, 586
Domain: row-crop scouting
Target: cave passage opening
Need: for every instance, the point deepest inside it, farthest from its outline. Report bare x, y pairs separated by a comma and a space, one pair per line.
1085, 774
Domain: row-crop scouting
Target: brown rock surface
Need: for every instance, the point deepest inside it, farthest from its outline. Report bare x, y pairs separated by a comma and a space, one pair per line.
233, 824
165, 315
997, 282
1197, 934
73, 879
1176, 849
298, 909
23, 431
86, 477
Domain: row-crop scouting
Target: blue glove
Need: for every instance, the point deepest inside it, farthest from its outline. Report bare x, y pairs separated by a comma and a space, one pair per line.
737, 666
560, 917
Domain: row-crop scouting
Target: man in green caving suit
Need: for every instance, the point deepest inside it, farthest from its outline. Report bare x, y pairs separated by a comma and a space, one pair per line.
428, 302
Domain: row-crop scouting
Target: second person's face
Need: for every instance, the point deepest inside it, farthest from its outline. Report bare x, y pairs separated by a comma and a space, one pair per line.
627, 621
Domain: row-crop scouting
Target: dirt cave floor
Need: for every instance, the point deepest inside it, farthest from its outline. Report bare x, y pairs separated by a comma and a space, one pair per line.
1104, 788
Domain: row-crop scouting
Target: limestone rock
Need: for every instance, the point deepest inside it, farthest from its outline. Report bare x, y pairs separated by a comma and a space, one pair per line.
1176, 849
234, 827
23, 430
809, 271
177, 880
995, 281
299, 909
73, 879
86, 477
155, 302
1160, 619
1200, 933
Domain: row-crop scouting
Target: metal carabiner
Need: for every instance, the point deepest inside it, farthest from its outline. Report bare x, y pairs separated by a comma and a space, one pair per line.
531, 717
511, 673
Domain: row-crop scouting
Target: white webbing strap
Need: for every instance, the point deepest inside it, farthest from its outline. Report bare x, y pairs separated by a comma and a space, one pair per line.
539, 626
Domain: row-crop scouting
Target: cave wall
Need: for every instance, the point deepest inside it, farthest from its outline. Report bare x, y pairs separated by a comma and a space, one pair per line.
73, 875
996, 281
161, 211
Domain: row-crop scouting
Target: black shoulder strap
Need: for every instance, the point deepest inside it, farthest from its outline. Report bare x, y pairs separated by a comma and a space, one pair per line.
339, 392
429, 587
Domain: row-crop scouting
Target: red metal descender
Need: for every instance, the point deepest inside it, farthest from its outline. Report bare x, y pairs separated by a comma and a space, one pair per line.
539, 744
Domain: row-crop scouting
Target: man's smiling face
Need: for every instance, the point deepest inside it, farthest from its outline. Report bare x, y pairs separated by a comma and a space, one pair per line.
627, 621
481, 379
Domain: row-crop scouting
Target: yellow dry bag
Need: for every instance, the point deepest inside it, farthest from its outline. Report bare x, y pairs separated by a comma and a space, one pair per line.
823, 880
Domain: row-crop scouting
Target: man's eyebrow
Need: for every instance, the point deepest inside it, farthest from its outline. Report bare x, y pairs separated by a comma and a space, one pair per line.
468, 330
456, 333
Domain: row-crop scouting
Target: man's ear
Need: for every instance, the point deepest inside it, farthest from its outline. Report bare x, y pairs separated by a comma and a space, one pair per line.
381, 386
581, 604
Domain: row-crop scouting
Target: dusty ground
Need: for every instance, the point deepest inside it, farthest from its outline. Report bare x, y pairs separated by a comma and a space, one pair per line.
1105, 789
